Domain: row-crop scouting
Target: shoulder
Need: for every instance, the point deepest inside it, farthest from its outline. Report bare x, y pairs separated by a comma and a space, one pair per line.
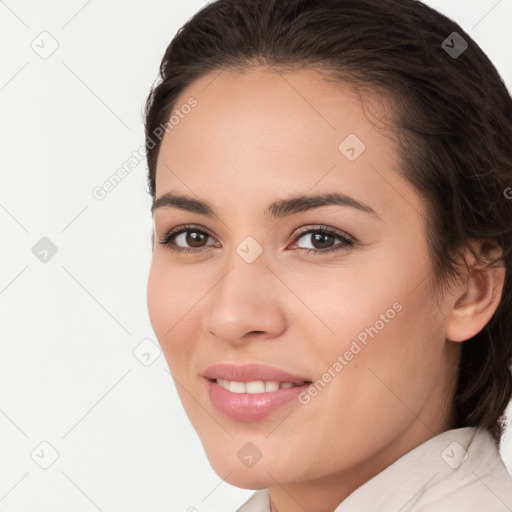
459, 470
476, 479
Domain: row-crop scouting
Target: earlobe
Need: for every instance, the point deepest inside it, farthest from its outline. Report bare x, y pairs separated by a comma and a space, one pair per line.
477, 300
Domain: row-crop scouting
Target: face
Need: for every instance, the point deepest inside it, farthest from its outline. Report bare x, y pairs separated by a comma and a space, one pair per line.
331, 296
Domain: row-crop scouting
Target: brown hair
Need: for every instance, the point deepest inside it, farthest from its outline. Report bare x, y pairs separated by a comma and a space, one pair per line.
452, 121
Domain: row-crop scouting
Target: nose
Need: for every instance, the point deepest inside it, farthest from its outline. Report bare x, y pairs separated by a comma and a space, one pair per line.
245, 303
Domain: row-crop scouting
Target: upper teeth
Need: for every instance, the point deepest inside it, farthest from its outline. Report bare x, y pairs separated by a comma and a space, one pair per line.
257, 386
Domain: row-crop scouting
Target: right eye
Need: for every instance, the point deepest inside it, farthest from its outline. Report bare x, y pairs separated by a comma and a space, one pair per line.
188, 234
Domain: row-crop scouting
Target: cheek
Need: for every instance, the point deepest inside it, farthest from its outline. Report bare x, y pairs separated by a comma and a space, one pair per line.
345, 303
383, 327
389, 367
171, 307
374, 395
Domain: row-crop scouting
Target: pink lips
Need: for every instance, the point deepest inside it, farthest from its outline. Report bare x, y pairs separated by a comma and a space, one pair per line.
251, 372
250, 406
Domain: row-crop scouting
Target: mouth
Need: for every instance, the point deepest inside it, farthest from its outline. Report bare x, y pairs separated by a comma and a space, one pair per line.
252, 373
252, 392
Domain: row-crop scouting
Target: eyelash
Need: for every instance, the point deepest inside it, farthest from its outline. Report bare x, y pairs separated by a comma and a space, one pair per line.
347, 242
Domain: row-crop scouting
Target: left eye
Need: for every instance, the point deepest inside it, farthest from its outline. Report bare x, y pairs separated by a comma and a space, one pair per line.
323, 237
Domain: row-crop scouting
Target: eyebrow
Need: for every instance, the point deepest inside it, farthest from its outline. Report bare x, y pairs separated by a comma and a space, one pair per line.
278, 209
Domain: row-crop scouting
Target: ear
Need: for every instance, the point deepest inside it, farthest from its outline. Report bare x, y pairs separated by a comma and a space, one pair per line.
478, 296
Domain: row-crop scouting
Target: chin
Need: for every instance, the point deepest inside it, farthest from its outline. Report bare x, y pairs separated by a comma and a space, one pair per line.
234, 472
248, 479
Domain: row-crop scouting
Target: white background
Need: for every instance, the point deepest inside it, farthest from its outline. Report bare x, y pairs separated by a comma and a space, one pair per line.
69, 326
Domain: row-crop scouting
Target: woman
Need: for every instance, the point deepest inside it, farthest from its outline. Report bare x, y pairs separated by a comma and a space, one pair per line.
330, 282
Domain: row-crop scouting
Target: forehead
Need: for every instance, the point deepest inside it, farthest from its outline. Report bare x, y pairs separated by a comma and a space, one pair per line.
265, 133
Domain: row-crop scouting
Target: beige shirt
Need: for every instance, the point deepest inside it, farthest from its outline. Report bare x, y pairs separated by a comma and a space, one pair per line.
459, 470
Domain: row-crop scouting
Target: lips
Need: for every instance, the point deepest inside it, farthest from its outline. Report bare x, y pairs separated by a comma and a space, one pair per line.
251, 373
251, 392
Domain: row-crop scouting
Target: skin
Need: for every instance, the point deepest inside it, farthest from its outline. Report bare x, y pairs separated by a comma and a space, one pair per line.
256, 137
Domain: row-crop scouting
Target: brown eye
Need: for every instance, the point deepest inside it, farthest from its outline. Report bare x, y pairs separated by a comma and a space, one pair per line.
193, 238
322, 240
187, 239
